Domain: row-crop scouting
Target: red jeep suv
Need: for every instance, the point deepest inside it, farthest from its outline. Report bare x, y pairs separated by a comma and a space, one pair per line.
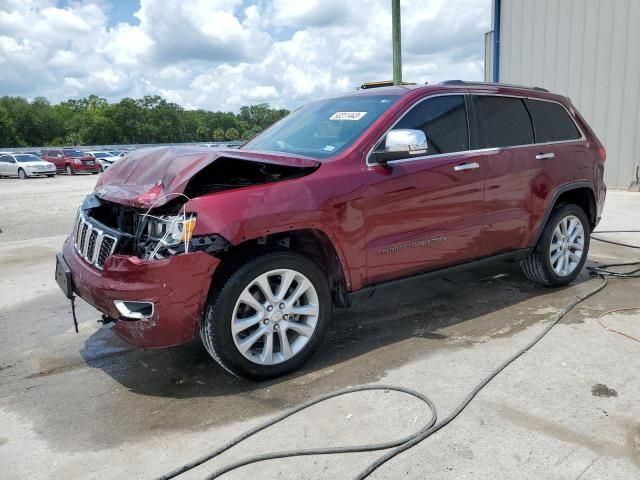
71, 161
250, 249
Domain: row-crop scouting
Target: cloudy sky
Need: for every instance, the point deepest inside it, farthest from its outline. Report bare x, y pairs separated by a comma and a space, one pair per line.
222, 54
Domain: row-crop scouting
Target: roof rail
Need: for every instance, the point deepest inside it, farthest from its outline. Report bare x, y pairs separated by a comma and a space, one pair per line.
490, 84
384, 83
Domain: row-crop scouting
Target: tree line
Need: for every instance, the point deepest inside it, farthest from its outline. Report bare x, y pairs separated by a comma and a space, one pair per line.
151, 119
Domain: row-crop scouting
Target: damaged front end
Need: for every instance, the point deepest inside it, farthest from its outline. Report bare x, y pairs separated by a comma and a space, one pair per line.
137, 252
104, 228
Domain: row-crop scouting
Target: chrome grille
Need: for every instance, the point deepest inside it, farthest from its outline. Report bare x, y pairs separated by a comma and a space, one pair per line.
91, 243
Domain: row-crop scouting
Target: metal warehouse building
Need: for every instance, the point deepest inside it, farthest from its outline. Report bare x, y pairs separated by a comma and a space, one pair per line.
588, 50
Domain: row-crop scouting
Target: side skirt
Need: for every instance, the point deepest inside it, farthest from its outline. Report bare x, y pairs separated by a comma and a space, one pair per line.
368, 291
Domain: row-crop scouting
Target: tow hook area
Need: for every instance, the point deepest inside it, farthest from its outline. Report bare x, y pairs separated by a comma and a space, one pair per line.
106, 320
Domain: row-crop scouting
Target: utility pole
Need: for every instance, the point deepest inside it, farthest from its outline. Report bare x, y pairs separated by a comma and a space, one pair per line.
397, 47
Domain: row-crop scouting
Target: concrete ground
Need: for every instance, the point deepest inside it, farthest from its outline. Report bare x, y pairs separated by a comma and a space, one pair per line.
89, 406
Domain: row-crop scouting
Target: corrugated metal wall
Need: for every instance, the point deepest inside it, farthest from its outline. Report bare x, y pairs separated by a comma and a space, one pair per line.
588, 50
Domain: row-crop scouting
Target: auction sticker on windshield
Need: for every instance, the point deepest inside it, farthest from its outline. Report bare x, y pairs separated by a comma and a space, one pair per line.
347, 115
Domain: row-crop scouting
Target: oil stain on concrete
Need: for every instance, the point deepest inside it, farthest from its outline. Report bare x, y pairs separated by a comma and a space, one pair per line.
601, 390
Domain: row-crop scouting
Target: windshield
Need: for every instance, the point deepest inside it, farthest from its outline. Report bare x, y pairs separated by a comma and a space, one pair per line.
27, 158
323, 128
101, 154
74, 153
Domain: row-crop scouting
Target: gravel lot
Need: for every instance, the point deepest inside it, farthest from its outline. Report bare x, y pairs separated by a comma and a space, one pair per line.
87, 405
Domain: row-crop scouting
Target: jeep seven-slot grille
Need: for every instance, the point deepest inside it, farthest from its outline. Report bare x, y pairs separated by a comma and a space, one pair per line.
91, 243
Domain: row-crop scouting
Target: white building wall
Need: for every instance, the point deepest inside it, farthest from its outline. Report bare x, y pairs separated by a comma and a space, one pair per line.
588, 50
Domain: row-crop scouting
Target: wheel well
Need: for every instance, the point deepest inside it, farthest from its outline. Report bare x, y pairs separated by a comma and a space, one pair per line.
583, 197
312, 243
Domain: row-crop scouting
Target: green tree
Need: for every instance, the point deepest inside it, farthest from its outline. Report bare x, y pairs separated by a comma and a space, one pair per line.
151, 119
232, 134
8, 135
218, 134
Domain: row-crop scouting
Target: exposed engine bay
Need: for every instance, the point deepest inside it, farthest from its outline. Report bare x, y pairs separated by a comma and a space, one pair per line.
156, 233
228, 173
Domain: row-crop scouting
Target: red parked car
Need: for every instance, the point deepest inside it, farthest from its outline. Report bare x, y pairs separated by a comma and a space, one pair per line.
250, 249
71, 161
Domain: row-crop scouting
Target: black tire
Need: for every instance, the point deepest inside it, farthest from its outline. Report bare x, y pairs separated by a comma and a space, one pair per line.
51, 175
537, 266
68, 170
215, 328
22, 174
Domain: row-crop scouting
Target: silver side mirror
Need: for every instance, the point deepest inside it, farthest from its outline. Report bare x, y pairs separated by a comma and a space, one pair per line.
406, 140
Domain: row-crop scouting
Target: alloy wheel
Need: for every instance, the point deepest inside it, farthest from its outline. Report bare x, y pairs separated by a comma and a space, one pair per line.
567, 245
275, 316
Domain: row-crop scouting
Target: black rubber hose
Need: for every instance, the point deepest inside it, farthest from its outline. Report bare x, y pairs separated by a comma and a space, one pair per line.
615, 243
604, 269
403, 444
316, 451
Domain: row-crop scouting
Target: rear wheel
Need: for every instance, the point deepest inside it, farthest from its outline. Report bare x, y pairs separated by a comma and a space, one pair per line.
562, 249
22, 174
68, 170
267, 316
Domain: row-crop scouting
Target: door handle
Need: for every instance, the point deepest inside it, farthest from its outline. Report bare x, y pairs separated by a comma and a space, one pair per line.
544, 156
466, 166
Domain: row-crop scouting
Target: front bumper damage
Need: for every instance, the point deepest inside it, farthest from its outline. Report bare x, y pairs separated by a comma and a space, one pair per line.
177, 287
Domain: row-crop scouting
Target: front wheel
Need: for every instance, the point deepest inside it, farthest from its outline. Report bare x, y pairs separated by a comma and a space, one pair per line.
68, 170
267, 316
22, 174
562, 249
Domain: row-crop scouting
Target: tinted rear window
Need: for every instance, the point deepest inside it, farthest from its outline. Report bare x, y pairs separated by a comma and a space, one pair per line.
443, 121
551, 122
502, 122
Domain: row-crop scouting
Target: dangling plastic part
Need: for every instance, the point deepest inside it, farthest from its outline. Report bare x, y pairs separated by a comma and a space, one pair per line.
73, 312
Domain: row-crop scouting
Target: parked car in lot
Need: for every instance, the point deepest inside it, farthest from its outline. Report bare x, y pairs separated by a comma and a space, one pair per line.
71, 161
104, 158
250, 249
24, 165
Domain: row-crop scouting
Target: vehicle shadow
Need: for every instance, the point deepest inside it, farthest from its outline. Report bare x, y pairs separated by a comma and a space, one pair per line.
392, 328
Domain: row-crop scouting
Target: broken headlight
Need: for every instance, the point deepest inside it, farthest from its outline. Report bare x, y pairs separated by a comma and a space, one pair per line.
168, 235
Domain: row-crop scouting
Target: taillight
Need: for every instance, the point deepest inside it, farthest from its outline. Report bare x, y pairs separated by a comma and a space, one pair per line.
602, 153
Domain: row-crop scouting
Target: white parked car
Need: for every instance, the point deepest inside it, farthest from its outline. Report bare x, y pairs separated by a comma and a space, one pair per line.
24, 165
104, 158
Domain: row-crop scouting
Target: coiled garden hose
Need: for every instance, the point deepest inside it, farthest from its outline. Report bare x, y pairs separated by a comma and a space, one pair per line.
429, 428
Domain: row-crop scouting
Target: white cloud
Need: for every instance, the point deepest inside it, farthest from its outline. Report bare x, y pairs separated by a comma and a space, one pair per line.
222, 54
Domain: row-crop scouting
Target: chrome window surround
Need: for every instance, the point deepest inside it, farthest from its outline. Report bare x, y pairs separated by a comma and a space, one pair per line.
476, 151
82, 232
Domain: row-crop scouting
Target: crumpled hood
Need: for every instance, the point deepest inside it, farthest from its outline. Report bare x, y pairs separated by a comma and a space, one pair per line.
154, 176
